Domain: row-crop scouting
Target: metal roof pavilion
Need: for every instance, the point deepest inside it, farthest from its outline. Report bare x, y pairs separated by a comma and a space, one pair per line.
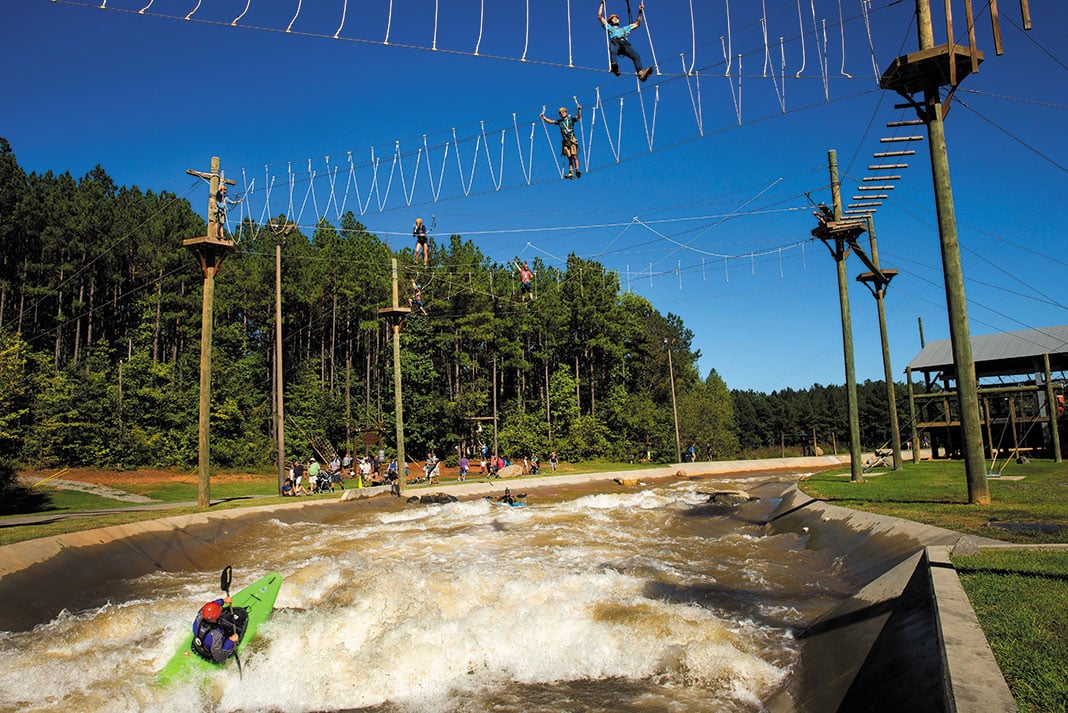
1008, 353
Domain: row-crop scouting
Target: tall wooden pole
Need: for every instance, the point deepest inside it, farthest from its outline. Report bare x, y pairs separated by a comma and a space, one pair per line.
204, 427
912, 417
953, 275
841, 251
888, 374
280, 420
674, 405
1051, 410
395, 315
210, 251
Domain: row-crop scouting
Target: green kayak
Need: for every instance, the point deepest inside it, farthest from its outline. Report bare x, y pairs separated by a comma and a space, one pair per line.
258, 598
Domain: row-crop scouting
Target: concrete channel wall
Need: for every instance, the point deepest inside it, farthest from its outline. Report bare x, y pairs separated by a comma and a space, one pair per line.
906, 640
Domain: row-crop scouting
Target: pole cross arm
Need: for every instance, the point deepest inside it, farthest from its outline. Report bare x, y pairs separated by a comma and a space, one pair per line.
208, 176
881, 278
877, 280
394, 315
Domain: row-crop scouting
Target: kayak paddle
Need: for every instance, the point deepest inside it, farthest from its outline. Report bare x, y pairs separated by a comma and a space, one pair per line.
224, 584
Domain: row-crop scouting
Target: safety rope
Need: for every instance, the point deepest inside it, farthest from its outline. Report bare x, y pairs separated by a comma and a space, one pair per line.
233, 23
389, 23
481, 21
528, 174
435, 189
650, 130
489, 162
552, 147
383, 198
826, 65
804, 54
332, 198
841, 28
570, 59
649, 35
434, 43
474, 159
191, 12
292, 185
865, 6
295, 15
526, 40
728, 50
344, 12
415, 175
693, 40
695, 98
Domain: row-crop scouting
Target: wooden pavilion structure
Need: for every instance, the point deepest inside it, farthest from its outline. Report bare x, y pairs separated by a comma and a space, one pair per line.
1021, 378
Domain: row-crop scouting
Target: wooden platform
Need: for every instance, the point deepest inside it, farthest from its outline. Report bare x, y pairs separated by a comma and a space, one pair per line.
913, 73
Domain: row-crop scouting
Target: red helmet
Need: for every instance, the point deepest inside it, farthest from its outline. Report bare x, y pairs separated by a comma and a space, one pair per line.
210, 611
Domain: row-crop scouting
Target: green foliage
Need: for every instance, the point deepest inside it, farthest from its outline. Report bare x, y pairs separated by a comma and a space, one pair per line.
105, 371
16, 498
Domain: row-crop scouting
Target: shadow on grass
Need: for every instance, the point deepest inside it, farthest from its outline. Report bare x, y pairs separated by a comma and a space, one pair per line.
1049, 576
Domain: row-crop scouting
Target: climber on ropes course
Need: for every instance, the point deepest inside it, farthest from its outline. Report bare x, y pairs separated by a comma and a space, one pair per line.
567, 137
619, 42
419, 233
416, 300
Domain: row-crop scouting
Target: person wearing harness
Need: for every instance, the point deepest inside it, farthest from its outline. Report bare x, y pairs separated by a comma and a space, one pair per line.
419, 233
619, 42
216, 632
567, 136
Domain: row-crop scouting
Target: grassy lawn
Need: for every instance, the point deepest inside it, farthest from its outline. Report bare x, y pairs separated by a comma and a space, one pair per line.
1021, 599
936, 493
1019, 596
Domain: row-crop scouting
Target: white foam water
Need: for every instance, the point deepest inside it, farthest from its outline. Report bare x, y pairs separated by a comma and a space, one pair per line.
635, 601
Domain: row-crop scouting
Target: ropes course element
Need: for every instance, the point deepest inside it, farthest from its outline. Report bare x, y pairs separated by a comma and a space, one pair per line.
482, 168
203, 14
370, 187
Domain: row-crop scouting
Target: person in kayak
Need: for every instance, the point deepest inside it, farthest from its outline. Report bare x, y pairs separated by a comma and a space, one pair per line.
216, 631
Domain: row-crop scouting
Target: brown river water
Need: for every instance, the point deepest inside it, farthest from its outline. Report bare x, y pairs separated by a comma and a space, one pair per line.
638, 600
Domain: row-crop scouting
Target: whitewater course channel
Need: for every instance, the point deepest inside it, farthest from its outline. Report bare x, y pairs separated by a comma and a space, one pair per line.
596, 596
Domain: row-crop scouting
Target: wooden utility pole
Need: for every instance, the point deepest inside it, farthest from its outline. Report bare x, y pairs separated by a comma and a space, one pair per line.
674, 406
877, 281
280, 232
840, 236
209, 252
395, 315
926, 71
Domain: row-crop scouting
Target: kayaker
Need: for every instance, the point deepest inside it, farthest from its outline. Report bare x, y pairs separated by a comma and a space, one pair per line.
216, 632
507, 497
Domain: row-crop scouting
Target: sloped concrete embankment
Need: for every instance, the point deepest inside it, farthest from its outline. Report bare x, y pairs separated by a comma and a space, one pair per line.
908, 639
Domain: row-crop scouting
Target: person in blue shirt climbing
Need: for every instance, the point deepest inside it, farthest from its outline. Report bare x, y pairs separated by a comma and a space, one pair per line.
619, 42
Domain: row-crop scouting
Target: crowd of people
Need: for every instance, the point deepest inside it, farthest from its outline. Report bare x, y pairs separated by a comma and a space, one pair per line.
373, 469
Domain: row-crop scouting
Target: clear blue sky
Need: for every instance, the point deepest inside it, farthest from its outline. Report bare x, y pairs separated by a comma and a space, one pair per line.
715, 229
